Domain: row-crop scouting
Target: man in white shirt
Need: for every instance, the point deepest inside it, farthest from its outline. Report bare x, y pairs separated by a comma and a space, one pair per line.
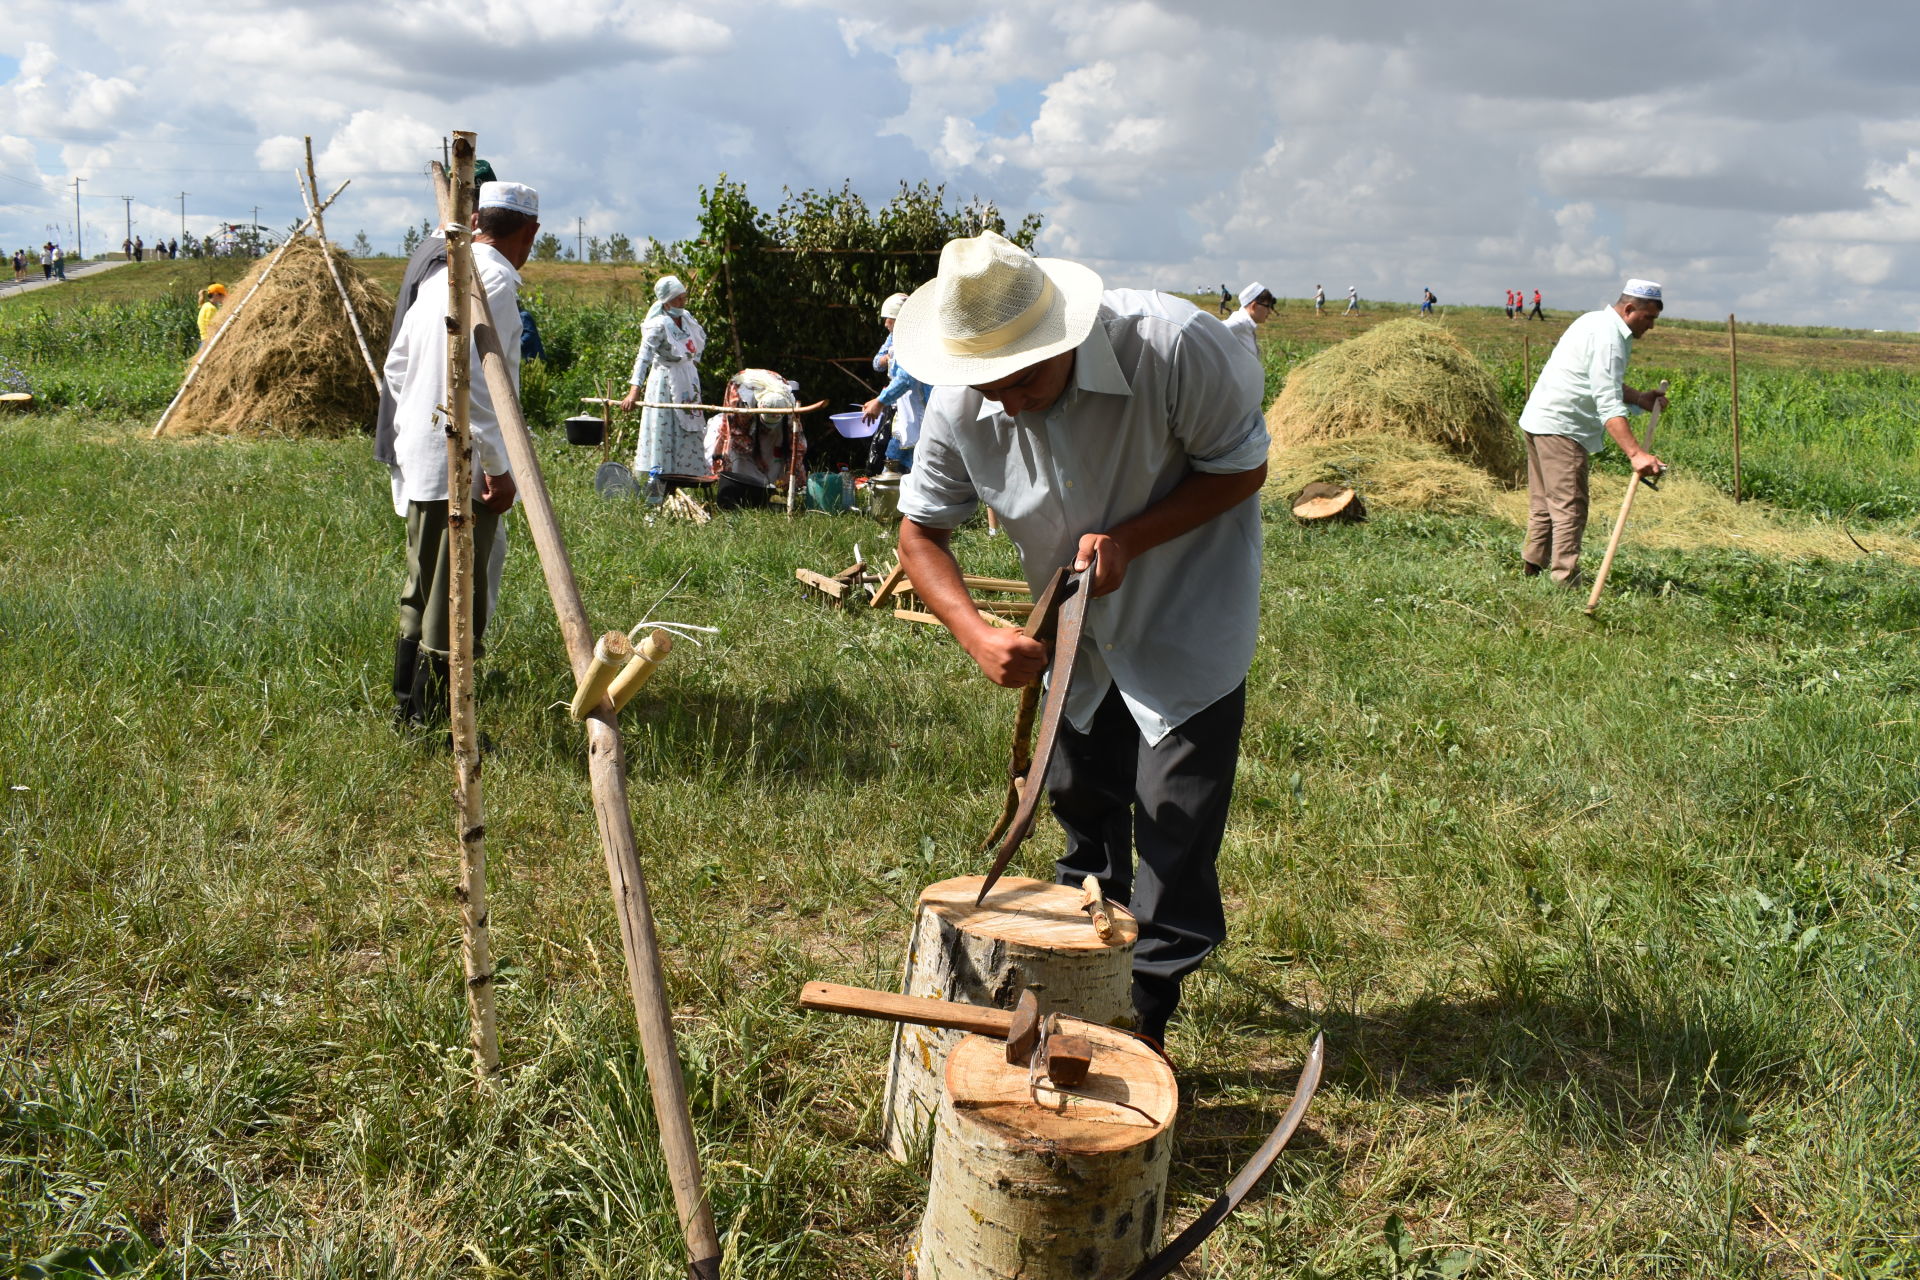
1256, 304
505, 224
1580, 400
1121, 430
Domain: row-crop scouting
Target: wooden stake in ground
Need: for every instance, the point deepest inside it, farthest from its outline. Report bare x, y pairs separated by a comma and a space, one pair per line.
1733, 377
1626, 509
607, 770
1033, 1182
476, 948
320, 226
1031, 936
226, 325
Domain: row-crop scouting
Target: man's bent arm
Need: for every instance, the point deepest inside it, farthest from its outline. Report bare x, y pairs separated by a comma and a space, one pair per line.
1007, 657
1201, 497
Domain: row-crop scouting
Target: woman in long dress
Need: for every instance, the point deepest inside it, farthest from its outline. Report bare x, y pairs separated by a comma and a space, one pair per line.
672, 441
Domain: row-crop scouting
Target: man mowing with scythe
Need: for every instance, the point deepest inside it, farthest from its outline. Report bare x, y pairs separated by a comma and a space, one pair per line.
1117, 432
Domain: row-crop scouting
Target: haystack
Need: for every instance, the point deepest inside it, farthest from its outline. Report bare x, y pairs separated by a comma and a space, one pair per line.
1407, 382
291, 366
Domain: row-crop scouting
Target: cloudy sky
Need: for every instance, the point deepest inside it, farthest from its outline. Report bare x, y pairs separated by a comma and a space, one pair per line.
1760, 156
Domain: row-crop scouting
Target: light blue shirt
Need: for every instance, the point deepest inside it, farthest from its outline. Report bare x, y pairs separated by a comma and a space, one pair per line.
1159, 391
1579, 387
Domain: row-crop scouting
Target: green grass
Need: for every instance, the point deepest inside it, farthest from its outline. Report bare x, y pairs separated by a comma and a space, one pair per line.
1611, 925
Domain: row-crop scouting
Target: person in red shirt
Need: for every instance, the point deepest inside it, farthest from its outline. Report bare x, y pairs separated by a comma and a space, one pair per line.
1536, 313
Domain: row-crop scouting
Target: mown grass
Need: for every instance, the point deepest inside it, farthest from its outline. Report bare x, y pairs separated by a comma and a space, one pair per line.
1610, 925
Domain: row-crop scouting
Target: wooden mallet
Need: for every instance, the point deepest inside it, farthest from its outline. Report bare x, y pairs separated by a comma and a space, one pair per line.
1626, 507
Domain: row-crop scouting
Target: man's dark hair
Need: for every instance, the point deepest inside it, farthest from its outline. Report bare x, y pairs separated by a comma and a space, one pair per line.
501, 224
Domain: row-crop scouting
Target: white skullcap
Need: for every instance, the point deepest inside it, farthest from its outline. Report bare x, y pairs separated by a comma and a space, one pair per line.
1647, 289
510, 195
1252, 291
891, 307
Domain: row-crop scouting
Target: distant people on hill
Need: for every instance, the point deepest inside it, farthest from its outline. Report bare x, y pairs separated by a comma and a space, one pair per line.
59, 263
173, 249
1353, 300
1256, 304
139, 249
1509, 304
212, 298
126, 250
1536, 313
1426, 301
19, 266
1319, 300
46, 261
1226, 300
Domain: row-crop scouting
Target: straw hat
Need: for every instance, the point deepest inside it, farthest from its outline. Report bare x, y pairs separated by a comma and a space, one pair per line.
993, 310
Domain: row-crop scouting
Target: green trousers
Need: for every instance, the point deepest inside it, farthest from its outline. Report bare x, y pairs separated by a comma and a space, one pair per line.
423, 601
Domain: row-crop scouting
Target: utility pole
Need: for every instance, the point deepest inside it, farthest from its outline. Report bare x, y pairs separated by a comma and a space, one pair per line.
78, 250
579, 236
128, 200
183, 213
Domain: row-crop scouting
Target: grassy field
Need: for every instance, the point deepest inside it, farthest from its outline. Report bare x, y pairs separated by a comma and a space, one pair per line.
1611, 924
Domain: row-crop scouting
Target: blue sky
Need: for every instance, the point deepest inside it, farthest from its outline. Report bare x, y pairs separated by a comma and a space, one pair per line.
1761, 157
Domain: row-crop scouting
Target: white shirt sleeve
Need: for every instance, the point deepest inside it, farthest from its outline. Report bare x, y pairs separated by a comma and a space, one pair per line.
1606, 372
938, 493
1214, 400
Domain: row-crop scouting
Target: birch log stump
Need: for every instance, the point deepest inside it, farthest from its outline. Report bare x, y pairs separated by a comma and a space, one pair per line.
1038, 1185
1027, 934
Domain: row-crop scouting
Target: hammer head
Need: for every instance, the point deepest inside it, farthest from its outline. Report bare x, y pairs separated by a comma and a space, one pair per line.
1024, 1032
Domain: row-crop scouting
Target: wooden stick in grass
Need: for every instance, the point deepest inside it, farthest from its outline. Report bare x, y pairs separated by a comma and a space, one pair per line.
476, 948
333, 269
226, 326
646, 660
606, 765
610, 655
1626, 509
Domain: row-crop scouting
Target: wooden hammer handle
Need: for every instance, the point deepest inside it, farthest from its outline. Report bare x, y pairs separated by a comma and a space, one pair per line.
831, 997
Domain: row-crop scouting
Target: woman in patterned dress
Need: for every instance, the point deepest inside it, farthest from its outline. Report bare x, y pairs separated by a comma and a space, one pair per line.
672, 441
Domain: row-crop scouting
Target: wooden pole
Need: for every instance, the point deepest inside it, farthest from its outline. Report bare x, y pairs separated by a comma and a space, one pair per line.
1626, 508
333, 268
227, 324
442, 199
606, 765
1733, 375
476, 950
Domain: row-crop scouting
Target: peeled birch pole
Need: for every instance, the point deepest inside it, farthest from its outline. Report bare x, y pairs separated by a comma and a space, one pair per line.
1626, 509
606, 765
333, 269
645, 662
1031, 936
610, 655
1733, 384
476, 949
200, 357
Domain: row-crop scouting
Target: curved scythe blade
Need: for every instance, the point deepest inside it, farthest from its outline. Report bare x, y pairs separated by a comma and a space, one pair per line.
1162, 1264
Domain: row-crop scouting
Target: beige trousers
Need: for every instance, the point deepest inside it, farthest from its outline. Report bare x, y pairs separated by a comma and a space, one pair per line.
1556, 505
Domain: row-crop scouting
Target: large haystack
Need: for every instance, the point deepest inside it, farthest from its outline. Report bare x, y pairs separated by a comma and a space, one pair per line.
290, 365
1407, 380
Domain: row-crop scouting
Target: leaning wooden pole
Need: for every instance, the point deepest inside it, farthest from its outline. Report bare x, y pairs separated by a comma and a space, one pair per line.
606, 766
470, 823
1733, 376
333, 269
1626, 509
227, 324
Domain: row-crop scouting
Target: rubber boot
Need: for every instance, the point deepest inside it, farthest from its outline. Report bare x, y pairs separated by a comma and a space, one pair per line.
406, 657
426, 703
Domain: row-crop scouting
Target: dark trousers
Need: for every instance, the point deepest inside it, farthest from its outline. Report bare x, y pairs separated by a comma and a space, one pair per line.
424, 613
1116, 796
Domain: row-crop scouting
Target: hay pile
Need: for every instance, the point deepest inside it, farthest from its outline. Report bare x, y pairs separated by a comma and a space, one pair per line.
1408, 381
290, 365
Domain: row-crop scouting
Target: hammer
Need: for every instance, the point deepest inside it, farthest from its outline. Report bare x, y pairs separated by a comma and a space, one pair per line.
1068, 1056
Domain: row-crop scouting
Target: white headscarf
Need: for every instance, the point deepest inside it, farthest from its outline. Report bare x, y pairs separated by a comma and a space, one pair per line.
665, 289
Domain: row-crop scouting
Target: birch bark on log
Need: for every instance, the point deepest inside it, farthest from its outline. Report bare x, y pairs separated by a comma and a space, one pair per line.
1030, 934
1039, 1185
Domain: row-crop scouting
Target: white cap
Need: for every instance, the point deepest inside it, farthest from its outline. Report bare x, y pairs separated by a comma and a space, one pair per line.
891, 307
1252, 291
1637, 288
510, 195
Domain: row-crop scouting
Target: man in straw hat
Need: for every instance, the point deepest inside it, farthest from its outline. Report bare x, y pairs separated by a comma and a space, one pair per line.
505, 223
1580, 400
1118, 430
